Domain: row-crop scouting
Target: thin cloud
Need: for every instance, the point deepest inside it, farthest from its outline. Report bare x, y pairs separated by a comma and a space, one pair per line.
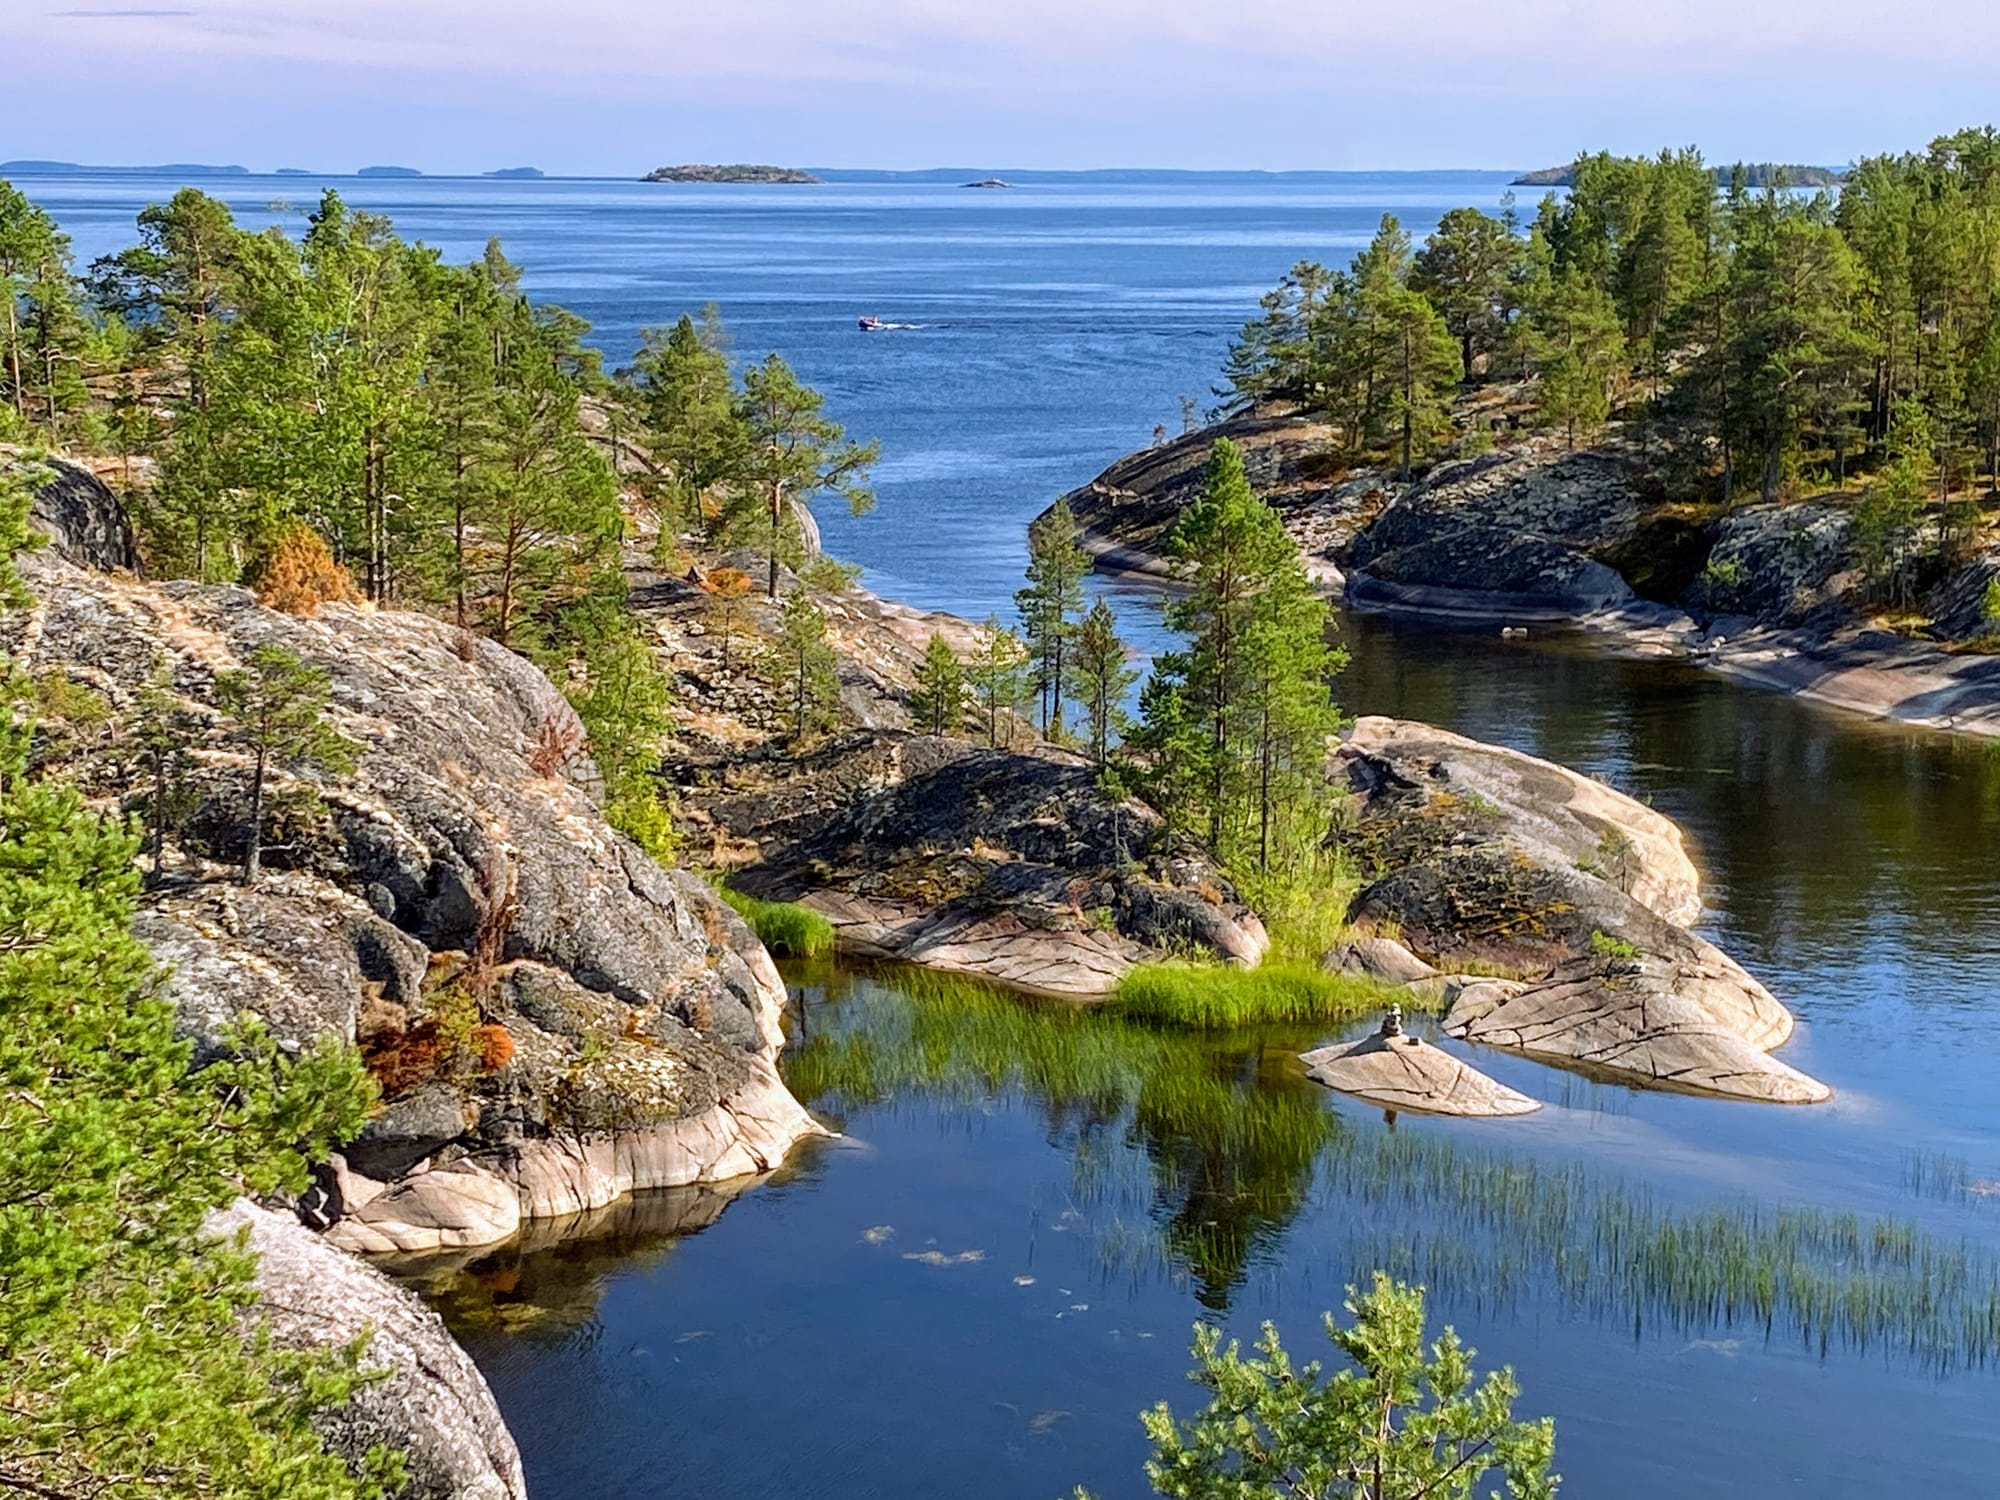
114, 15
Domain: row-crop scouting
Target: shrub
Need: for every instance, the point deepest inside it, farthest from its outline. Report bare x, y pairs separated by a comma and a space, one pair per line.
1394, 1420
557, 743
1212, 996
1604, 945
787, 929
299, 574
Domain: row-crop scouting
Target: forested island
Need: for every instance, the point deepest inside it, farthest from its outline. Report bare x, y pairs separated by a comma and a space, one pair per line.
1755, 175
422, 740
739, 173
1761, 429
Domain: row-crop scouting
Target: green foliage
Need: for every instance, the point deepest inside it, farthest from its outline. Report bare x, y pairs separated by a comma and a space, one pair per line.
274, 708
937, 706
795, 454
1578, 349
1234, 728
680, 388
998, 674
1398, 1421
625, 702
1466, 269
45, 336
1048, 606
1216, 997
1989, 603
805, 665
129, 1371
786, 928
1606, 945
18, 483
1099, 680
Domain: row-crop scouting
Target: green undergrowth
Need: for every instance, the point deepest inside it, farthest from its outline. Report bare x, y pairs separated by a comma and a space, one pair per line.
786, 928
1212, 996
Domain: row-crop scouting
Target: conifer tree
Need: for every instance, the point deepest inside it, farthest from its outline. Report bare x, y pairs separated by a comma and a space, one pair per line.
1463, 270
625, 702
937, 706
1100, 679
997, 673
1048, 605
807, 665
276, 711
1578, 351
163, 731
682, 391
796, 453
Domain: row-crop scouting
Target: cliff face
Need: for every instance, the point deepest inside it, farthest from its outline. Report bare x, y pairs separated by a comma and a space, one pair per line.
462, 875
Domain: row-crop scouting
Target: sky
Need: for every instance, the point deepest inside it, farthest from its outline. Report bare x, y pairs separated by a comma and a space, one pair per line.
613, 87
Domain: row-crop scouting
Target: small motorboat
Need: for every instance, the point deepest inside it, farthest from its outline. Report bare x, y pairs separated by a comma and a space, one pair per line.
872, 324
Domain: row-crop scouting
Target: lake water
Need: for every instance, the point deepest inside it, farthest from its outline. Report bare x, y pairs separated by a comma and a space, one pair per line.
974, 1290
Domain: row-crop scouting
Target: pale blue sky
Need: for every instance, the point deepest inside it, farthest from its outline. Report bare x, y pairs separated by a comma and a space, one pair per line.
615, 86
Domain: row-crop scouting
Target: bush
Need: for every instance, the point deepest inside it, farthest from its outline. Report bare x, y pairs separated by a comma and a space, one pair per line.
787, 929
300, 574
1396, 1419
1212, 996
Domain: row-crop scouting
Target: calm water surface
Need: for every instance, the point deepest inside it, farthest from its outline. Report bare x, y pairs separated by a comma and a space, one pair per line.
972, 1292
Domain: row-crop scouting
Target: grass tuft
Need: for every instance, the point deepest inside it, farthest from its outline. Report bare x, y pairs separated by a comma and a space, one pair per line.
786, 928
1219, 996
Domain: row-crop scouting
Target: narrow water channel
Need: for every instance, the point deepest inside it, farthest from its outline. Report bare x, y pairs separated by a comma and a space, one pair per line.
974, 1290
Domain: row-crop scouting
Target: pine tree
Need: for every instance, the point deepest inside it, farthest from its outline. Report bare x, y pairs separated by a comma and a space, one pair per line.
1228, 542
1464, 269
1423, 367
134, 1364
937, 706
681, 389
1057, 565
1100, 679
625, 702
1578, 351
797, 453
163, 732
807, 666
1396, 1420
275, 709
997, 675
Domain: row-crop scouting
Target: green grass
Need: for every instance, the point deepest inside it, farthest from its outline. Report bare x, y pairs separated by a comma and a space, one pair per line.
1208, 996
786, 928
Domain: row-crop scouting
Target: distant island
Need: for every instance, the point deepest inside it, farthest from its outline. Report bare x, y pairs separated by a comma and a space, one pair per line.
388, 172
168, 169
736, 173
1756, 174
523, 172
989, 182
294, 172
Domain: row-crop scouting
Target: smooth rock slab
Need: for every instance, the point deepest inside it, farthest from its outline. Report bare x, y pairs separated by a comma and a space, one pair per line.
431, 1401
1642, 1023
1407, 1073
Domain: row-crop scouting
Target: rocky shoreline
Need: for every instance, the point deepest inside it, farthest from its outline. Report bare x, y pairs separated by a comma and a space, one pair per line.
1553, 542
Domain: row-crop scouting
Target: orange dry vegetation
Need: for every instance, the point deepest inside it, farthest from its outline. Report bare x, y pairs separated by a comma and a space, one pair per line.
300, 575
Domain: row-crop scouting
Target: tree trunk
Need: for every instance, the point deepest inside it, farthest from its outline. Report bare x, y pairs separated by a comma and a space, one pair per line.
253, 854
777, 525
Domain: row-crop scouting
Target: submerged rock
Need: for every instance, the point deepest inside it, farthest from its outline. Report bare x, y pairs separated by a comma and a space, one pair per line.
1495, 860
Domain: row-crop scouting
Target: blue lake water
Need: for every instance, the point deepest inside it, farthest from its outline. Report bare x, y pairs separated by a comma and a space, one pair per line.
788, 1351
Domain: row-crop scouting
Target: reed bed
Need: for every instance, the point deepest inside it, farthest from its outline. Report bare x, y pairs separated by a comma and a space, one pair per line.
787, 929
1218, 1144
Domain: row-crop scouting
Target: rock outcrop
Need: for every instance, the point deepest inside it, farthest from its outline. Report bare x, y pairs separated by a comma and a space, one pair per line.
553, 1016
1496, 861
1011, 866
1510, 534
1407, 1074
1129, 512
427, 1398
74, 511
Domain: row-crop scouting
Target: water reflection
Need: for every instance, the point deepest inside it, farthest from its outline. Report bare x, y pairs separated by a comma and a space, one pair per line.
1196, 1154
